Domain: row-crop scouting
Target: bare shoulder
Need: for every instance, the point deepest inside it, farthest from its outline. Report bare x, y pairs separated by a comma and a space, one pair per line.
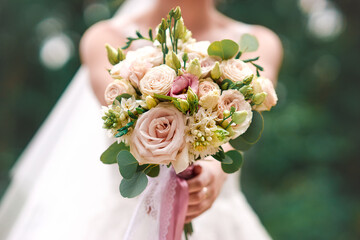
267, 38
94, 39
270, 47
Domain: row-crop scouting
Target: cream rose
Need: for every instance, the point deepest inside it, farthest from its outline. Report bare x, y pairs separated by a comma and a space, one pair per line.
152, 55
209, 93
198, 47
157, 80
264, 85
233, 98
117, 88
235, 70
159, 137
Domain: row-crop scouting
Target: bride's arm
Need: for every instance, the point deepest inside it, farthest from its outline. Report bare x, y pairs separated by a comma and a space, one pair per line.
94, 56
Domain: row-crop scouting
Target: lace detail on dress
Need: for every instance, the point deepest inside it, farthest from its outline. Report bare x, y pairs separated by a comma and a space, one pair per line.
155, 205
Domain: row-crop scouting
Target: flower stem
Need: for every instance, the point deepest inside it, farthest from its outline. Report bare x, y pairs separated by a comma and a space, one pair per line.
229, 125
159, 96
188, 230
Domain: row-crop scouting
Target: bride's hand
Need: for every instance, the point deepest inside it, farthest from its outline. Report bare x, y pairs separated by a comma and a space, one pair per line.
204, 187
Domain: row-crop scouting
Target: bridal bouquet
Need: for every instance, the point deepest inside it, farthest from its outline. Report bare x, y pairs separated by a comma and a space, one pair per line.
178, 100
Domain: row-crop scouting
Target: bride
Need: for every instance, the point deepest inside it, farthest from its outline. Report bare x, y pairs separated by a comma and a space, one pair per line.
60, 189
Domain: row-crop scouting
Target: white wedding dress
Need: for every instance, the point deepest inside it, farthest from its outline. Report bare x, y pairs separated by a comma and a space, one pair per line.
61, 190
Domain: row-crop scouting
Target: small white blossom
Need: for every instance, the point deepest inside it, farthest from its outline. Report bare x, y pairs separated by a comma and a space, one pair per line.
201, 128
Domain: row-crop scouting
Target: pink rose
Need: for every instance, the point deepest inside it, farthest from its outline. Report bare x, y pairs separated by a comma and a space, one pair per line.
233, 98
121, 70
138, 69
181, 84
265, 85
159, 137
117, 88
207, 64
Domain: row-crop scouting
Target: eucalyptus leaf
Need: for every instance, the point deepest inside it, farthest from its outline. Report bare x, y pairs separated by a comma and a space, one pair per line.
134, 186
253, 134
227, 160
225, 49
237, 160
109, 156
240, 144
127, 164
154, 171
248, 43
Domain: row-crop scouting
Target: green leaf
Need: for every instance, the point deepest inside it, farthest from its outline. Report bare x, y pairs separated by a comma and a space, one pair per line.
127, 164
227, 160
109, 156
132, 115
252, 135
124, 95
248, 43
240, 144
153, 171
225, 49
237, 160
132, 187
219, 155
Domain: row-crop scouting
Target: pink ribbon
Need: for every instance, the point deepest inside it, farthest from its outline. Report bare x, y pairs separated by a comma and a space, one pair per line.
179, 206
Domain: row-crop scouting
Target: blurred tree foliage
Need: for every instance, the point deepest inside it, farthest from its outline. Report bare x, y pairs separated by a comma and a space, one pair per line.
301, 178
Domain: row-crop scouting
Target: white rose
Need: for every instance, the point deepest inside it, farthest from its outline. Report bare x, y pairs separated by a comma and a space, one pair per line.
148, 54
198, 47
209, 93
235, 70
264, 85
158, 80
117, 88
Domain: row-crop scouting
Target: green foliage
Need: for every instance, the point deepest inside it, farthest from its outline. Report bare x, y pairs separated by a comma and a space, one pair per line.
225, 49
109, 156
153, 171
232, 162
127, 164
248, 43
252, 135
130, 188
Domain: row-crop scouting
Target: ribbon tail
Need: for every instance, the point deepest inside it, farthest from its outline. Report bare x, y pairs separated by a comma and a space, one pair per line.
176, 207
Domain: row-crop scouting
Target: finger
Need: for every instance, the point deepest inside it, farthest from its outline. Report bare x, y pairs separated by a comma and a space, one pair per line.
200, 181
197, 197
190, 218
198, 208
197, 169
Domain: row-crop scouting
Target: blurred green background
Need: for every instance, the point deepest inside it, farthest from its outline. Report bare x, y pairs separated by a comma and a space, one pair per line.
302, 178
